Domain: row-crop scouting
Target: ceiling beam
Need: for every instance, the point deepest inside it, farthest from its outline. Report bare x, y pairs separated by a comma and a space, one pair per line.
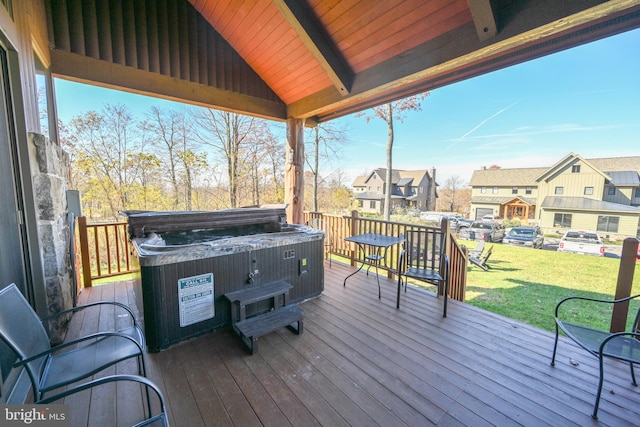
483, 19
320, 46
459, 55
93, 71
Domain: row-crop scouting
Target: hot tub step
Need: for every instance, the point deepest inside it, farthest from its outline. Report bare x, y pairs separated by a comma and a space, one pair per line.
254, 294
253, 328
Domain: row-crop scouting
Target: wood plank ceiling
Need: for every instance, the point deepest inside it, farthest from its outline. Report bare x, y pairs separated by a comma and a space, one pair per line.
315, 59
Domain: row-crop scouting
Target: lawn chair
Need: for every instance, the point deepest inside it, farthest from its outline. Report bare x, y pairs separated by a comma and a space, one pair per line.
477, 250
50, 367
623, 346
423, 259
481, 261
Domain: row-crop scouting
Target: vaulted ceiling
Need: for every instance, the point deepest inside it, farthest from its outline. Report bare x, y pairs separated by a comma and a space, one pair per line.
312, 59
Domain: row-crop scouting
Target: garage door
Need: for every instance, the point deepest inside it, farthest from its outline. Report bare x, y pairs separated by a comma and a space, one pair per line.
480, 212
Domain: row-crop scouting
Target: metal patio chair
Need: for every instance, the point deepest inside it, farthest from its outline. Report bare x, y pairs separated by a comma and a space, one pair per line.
144, 382
50, 367
624, 346
423, 258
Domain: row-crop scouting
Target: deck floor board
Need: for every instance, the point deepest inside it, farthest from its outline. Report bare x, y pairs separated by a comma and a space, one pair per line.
362, 362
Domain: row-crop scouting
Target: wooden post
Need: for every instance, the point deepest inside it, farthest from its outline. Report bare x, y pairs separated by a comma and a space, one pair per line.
353, 232
84, 251
294, 171
625, 281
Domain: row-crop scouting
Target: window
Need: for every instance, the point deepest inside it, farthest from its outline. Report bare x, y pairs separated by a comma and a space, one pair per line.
588, 191
360, 203
575, 169
483, 190
495, 190
608, 223
637, 196
559, 190
372, 204
562, 220
528, 190
514, 190
612, 191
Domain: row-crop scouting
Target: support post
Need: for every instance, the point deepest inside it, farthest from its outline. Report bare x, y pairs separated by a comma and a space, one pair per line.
624, 284
294, 171
84, 251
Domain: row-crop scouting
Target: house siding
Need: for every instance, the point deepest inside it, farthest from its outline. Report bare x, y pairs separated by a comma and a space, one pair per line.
585, 194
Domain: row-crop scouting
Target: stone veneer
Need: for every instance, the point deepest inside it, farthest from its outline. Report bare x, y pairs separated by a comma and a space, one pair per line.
51, 174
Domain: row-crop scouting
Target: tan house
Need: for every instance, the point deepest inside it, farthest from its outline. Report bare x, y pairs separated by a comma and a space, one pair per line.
409, 189
597, 194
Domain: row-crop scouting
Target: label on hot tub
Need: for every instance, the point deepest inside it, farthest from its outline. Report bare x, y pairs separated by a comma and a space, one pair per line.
195, 299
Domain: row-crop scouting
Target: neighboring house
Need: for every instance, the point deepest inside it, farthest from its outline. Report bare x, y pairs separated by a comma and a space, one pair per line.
415, 189
596, 194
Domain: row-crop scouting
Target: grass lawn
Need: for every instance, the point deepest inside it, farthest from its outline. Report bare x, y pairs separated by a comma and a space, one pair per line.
525, 284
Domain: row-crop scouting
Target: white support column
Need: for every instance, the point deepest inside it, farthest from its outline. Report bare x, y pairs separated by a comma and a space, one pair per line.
294, 171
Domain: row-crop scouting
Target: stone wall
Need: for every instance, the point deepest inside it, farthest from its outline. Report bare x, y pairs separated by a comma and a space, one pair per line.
51, 178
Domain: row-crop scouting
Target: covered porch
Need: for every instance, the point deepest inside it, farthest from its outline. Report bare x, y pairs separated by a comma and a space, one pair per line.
361, 361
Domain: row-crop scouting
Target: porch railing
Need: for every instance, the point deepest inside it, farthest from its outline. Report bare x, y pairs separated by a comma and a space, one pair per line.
342, 226
105, 249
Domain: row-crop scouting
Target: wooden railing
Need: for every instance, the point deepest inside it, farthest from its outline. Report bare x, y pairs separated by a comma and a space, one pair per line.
342, 226
104, 250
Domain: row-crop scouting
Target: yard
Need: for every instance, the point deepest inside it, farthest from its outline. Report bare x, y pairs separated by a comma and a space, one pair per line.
525, 284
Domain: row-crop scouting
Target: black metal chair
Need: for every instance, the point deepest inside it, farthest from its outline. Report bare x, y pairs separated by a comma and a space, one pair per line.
624, 346
51, 367
423, 259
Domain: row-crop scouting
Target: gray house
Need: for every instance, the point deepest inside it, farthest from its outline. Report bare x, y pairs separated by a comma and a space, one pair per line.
409, 189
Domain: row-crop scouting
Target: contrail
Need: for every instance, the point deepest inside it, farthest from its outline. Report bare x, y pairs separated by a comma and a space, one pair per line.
481, 123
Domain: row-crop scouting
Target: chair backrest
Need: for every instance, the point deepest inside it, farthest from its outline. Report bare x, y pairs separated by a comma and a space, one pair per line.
22, 331
424, 248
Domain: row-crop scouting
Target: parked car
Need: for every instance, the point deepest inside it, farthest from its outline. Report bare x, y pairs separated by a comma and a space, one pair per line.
581, 242
531, 237
489, 231
491, 217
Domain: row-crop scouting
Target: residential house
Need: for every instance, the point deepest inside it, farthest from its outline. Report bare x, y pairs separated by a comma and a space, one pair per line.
598, 194
409, 189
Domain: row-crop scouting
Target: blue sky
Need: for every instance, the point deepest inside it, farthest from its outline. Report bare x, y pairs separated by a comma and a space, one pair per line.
584, 100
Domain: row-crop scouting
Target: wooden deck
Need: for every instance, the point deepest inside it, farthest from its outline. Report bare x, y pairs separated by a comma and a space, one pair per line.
361, 362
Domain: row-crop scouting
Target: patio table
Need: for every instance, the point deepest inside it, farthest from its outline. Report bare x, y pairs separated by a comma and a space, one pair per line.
378, 245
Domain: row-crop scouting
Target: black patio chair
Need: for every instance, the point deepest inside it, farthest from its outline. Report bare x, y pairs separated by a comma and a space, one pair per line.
624, 346
423, 259
51, 367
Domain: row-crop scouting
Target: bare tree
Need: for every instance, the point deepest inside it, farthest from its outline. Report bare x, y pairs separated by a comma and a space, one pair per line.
229, 133
389, 112
326, 144
452, 184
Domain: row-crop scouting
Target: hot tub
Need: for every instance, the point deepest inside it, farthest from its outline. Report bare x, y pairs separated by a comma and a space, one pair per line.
184, 274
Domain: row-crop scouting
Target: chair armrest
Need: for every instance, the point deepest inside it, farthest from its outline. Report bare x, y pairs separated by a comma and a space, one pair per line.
633, 348
606, 301
149, 385
77, 341
90, 305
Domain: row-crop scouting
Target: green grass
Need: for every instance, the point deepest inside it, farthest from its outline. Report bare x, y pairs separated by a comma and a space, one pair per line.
526, 284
